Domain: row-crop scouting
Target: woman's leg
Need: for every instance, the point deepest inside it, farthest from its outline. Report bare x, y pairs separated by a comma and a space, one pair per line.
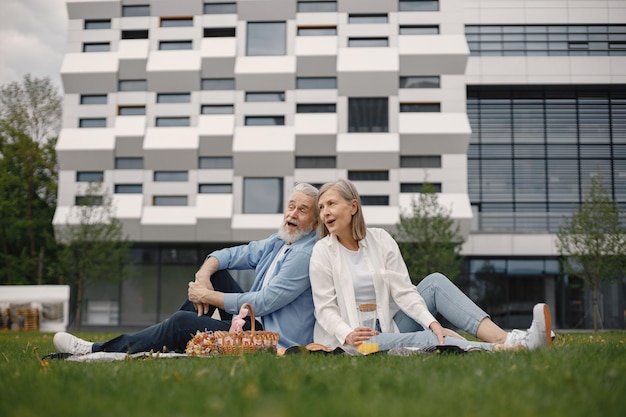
442, 296
423, 339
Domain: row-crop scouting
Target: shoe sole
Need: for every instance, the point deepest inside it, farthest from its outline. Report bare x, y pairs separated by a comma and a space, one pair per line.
548, 320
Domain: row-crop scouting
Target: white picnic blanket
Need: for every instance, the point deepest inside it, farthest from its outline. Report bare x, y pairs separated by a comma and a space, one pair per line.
117, 356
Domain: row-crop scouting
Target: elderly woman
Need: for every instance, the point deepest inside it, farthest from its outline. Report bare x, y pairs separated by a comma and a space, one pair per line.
353, 264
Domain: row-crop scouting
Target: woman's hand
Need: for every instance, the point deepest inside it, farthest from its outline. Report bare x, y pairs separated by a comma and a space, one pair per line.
439, 331
359, 335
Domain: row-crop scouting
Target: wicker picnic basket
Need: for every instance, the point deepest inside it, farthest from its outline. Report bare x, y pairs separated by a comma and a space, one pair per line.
237, 343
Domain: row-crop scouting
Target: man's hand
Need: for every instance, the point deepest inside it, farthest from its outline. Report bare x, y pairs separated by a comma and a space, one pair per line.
199, 295
208, 268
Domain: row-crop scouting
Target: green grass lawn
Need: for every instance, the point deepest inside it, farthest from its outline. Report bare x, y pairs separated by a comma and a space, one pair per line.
583, 375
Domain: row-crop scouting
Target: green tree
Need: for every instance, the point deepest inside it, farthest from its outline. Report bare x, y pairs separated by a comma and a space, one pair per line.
94, 247
592, 242
429, 239
30, 114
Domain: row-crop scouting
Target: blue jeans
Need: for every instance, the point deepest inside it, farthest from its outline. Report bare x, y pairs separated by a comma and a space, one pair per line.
443, 297
172, 334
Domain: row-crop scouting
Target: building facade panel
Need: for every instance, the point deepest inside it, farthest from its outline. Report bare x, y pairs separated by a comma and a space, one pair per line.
193, 113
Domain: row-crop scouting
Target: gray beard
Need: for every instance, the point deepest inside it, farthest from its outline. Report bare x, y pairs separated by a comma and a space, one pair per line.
292, 237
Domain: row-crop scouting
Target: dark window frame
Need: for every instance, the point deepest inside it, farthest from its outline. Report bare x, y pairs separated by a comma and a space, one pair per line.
221, 32
135, 34
98, 23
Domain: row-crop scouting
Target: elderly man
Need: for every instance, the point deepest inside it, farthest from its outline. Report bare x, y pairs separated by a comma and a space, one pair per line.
280, 295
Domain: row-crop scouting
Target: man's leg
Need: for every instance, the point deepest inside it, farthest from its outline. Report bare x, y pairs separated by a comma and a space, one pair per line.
173, 333
170, 335
222, 281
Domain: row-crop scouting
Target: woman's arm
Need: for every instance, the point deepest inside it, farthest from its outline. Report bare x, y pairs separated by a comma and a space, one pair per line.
401, 288
325, 296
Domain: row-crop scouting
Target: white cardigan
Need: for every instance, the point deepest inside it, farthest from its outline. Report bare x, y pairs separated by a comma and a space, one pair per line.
333, 288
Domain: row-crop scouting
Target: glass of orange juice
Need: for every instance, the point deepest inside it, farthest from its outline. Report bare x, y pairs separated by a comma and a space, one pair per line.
367, 318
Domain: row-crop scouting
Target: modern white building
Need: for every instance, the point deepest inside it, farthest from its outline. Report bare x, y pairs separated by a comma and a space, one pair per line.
199, 116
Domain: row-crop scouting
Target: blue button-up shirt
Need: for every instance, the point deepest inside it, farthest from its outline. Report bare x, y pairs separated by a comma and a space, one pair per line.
285, 303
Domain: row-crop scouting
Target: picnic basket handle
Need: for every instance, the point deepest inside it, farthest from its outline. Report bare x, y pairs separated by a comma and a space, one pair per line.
252, 320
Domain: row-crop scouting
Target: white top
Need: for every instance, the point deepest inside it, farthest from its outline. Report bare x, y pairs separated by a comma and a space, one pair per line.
361, 275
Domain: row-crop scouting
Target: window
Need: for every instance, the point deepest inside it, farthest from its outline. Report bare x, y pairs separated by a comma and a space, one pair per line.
317, 31
175, 45
129, 162
96, 47
219, 32
316, 108
367, 42
178, 176
420, 161
375, 200
88, 200
172, 121
316, 162
169, 200
215, 162
176, 22
368, 175
419, 30
131, 110
368, 114
265, 120
536, 147
128, 188
215, 189
173, 98
97, 24
218, 84
217, 109
420, 81
92, 122
317, 6
93, 99
135, 34
132, 85
262, 195
310, 83
545, 40
265, 96
136, 10
418, 5
416, 187
420, 107
367, 18
89, 176
266, 38
220, 8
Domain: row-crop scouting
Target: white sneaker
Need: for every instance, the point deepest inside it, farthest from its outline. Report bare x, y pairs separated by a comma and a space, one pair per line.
66, 343
540, 331
539, 335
